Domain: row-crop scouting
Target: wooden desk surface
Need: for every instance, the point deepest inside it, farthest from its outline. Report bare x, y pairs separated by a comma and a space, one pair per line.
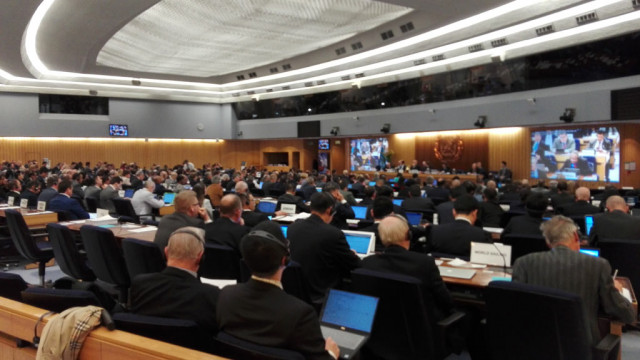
123, 231
166, 210
34, 218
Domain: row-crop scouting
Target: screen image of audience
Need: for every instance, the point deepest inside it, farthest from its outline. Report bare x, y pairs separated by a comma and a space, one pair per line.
368, 154
590, 154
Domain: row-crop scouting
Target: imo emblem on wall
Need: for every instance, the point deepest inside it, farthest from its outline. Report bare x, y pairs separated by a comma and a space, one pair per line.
448, 149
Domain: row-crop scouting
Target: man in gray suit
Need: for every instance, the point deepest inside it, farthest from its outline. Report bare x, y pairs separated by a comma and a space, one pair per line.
565, 268
109, 193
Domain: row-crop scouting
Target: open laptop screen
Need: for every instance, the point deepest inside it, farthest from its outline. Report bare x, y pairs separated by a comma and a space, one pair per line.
360, 211
350, 310
129, 193
414, 218
397, 202
588, 223
361, 242
591, 251
168, 197
284, 229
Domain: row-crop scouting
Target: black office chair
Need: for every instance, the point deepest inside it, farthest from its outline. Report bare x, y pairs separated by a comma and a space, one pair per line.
219, 262
106, 258
58, 300
11, 285
522, 244
124, 208
180, 332
92, 204
28, 247
546, 324
294, 282
234, 348
142, 257
623, 255
404, 327
67, 255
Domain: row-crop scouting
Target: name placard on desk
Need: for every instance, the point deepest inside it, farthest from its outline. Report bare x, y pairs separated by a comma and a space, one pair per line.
496, 254
24, 203
42, 205
288, 208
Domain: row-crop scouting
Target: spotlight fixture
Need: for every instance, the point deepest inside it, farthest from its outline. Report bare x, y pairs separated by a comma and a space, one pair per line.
568, 115
386, 128
531, 101
432, 111
480, 122
239, 133
356, 118
335, 130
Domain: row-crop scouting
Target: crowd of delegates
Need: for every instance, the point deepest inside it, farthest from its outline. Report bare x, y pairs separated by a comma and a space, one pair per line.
253, 311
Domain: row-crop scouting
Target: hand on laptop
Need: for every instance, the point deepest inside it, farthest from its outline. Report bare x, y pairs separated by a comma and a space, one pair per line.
332, 347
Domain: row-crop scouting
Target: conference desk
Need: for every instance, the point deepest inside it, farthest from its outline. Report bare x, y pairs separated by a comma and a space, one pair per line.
33, 218
120, 231
167, 210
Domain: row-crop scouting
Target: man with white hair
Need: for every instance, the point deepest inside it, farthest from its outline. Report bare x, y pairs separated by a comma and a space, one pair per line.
144, 201
241, 187
565, 268
177, 292
616, 223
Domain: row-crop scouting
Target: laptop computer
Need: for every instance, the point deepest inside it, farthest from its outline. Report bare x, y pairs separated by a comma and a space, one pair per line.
372, 183
168, 197
588, 224
348, 318
129, 193
456, 272
397, 202
414, 218
590, 251
284, 229
360, 211
362, 242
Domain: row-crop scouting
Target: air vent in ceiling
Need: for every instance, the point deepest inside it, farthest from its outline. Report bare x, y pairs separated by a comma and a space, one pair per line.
286, 87
286, 67
387, 35
240, 77
251, 92
476, 47
341, 51
321, 82
359, 75
269, 90
437, 57
252, 74
308, 84
345, 78
273, 70
356, 46
545, 30
587, 18
419, 62
499, 42
406, 27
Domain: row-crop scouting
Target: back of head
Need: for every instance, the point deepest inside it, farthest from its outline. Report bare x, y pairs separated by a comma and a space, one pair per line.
616, 202
185, 244
115, 180
490, 194
465, 204
562, 186
414, 190
184, 200
52, 180
382, 206
583, 193
263, 252
456, 192
291, 186
241, 187
64, 185
558, 230
330, 187
384, 191
393, 230
321, 201
229, 204
536, 204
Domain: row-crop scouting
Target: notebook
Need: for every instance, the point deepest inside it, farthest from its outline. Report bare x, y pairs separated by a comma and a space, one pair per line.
362, 242
129, 193
168, 197
360, 211
347, 318
414, 218
456, 273
588, 223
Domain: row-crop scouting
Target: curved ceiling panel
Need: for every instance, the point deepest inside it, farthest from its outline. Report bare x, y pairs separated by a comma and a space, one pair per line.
205, 38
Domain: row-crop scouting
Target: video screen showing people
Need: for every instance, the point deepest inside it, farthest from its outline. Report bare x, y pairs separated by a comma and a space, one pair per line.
368, 154
590, 154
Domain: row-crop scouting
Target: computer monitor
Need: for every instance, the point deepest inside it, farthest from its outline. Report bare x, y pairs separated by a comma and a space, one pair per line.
129, 193
588, 224
360, 212
168, 197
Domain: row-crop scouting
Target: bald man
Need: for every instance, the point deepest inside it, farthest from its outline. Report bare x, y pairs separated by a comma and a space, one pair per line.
177, 292
229, 228
581, 206
616, 223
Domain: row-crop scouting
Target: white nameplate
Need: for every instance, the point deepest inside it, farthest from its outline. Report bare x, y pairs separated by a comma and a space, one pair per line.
482, 253
121, 193
102, 212
24, 203
42, 205
288, 208
11, 201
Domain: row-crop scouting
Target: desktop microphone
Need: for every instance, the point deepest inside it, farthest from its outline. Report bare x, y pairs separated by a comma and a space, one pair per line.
504, 260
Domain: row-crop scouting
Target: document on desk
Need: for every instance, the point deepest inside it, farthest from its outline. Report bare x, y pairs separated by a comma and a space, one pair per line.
465, 264
292, 218
627, 294
144, 229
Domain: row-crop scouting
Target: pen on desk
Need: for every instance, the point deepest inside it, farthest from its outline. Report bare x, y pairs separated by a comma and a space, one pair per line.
615, 274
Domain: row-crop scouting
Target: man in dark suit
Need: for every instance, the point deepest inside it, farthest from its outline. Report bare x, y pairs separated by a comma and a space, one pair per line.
109, 193
229, 228
31, 194
177, 292
342, 210
504, 174
528, 224
64, 202
249, 215
565, 268
562, 197
358, 186
309, 188
537, 145
289, 197
396, 237
439, 193
188, 213
416, 201
580, 165
581, 206
616, 223
51, 191
382, 207
490, 212
259, 311
321, 249
445, 209
455, 238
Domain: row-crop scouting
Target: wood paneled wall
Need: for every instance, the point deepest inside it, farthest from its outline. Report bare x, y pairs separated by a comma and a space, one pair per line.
512, 146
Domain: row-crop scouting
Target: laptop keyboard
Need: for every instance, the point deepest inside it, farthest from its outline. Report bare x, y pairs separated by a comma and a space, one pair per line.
344, 339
